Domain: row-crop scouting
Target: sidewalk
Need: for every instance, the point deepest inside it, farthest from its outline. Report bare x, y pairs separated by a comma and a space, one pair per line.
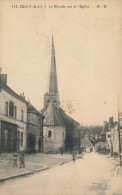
33, 163
116, 180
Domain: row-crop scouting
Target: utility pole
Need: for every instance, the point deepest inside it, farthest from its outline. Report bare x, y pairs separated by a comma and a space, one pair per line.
119, 132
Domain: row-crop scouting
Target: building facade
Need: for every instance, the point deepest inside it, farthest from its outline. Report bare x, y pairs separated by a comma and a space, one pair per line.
13, 118
34, 129
115, 140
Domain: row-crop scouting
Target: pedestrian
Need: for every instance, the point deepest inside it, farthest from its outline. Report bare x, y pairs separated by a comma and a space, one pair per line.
15, 159
62, 151
73, 155
22, 160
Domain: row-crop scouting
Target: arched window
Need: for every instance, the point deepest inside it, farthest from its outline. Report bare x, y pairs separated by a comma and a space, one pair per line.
49, 133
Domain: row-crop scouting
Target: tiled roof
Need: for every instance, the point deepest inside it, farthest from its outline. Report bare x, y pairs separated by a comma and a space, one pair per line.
52, 116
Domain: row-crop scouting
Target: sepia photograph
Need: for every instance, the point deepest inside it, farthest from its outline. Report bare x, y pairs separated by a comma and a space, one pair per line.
60, 97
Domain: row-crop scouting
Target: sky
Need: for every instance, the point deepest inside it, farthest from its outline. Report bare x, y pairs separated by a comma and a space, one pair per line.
88, 55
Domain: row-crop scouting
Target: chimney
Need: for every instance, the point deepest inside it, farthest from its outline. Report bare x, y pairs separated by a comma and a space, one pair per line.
3, 77
111, 120
22, 95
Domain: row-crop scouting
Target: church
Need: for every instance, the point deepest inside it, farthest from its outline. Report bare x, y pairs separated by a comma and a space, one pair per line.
58, 127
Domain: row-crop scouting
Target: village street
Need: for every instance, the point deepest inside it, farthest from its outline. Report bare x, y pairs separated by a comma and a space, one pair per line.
92, 174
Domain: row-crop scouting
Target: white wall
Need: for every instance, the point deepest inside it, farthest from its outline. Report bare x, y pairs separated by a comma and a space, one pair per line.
22, 125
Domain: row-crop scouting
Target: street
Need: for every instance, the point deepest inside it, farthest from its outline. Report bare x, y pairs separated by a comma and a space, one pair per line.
89, 175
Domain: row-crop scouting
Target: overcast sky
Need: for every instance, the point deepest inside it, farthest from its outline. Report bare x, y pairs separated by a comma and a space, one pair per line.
88, 56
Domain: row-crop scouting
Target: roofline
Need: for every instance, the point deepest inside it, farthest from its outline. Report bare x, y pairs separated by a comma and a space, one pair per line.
11, 92
71, 118
37, 113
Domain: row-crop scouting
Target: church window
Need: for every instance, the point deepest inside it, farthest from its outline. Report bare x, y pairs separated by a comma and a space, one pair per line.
49, 133
48, 100
54, 101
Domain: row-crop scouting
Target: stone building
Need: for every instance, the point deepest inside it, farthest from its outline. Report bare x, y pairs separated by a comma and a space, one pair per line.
115, 140
59, 128
34, 129
13, 118
54, 130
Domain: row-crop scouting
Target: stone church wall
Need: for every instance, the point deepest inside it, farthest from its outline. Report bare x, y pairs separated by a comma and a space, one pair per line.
54, 139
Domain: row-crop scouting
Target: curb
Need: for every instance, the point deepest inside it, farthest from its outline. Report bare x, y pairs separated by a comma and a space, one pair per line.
22, 174
31, 172
62, 163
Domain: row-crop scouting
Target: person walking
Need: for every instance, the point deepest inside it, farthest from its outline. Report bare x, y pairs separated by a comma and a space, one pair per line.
73, 155
22, 160
15, 159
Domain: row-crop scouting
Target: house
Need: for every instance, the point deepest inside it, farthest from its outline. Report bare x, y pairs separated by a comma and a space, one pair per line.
86, 144
34, 129
115, 140
13, 118
112, 137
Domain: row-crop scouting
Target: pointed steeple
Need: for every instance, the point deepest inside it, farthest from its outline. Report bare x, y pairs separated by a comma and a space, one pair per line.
53, 86
52, 95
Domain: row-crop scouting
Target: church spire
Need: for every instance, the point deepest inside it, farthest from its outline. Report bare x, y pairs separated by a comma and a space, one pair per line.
53, 86
52, 95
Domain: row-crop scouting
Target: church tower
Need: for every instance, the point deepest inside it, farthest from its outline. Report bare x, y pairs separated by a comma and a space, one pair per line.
52, 95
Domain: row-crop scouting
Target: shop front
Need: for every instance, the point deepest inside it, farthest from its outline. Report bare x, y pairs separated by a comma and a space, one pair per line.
8, 137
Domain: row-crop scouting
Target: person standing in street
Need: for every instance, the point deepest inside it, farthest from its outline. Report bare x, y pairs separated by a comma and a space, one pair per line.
15, 159
22, 160
73, 155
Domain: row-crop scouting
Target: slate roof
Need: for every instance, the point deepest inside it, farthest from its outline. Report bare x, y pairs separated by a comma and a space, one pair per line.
11, 92
31, 108
52, 116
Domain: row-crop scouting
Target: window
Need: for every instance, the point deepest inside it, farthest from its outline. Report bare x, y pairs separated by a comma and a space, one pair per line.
11, 108
49, 133
63, 134
109, 135
15, 112
21, 138
6, 108
22, 115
